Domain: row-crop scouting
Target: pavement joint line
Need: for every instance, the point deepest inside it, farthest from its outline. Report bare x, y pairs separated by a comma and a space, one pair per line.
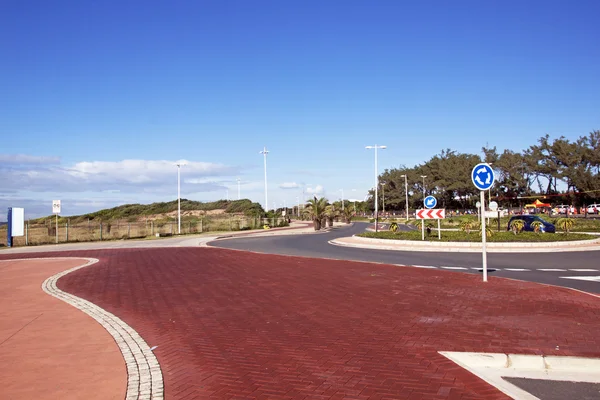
417, 266
493, 367
144, 376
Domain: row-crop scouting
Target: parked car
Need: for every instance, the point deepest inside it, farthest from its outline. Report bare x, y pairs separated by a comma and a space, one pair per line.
593, 209
562, 209
528, 220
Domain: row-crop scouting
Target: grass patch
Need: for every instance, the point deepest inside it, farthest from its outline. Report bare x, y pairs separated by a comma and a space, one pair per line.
581, 224
497, 237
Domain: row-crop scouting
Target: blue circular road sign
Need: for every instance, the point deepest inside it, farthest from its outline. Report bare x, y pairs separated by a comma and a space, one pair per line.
430, 202
483, 176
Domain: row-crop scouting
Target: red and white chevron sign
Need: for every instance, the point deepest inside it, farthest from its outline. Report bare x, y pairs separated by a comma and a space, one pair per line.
431, 214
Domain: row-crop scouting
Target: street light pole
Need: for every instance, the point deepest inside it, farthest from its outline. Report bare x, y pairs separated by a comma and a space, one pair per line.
238, 182
376, 178
342, 199
383, 196
406, 193
423, 221
264, 152
179, 165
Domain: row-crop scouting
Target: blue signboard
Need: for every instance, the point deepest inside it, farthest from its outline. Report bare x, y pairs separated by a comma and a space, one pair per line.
483, 176
430, 202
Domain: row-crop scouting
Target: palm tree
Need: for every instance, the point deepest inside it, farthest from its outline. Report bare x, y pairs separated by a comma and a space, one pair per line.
315, 210
537, 226
331, 212
348, 213
517, 225
467, 225
566, 224
488, 230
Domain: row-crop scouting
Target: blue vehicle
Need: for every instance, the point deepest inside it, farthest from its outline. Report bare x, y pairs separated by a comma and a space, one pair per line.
528, 220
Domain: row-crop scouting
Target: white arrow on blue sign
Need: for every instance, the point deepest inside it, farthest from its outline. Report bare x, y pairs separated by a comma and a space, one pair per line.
430, 202
483, 176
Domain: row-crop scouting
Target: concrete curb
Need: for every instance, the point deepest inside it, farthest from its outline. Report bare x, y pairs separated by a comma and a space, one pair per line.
493, 367
144, 376
431, 246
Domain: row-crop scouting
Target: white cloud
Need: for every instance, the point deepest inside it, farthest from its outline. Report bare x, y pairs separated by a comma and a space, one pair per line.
289, 185
27, 159
124, 176
316, 190
91, 185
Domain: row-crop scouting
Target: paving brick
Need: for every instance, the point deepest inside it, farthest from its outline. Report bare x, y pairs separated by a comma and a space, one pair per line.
228, 321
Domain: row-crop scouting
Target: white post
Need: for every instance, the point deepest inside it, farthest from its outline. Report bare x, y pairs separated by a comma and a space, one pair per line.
483, 239
178, 199
423, 225
406, 194
57, 228
264, 153
376, 184
383, 197
376, 180
439, 230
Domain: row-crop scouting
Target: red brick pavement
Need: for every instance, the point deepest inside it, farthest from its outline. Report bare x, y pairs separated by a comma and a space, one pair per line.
235, 325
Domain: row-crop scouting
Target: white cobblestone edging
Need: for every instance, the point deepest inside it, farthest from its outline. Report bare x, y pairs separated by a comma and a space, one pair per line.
144, 376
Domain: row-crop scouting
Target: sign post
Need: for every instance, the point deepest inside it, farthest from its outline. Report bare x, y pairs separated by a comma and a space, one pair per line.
494, 208
438, 214
483, 179
429, 202
56, 210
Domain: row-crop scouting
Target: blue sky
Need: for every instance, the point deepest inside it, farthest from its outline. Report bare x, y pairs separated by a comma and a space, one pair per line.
99, 99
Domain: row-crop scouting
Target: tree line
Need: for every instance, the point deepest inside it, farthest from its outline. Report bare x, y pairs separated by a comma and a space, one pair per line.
559, 170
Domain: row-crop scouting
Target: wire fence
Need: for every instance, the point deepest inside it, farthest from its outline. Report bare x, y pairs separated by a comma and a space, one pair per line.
64, 232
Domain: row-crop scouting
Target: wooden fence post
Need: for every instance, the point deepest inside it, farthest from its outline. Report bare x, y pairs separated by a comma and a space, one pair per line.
100, 230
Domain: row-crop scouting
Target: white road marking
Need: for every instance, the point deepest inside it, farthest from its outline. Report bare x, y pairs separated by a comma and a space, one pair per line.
583, 278
454, 267
583, 270
551, 269
423, 266
517, 269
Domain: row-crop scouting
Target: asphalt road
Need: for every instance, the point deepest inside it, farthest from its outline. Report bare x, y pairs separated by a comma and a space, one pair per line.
526, 266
